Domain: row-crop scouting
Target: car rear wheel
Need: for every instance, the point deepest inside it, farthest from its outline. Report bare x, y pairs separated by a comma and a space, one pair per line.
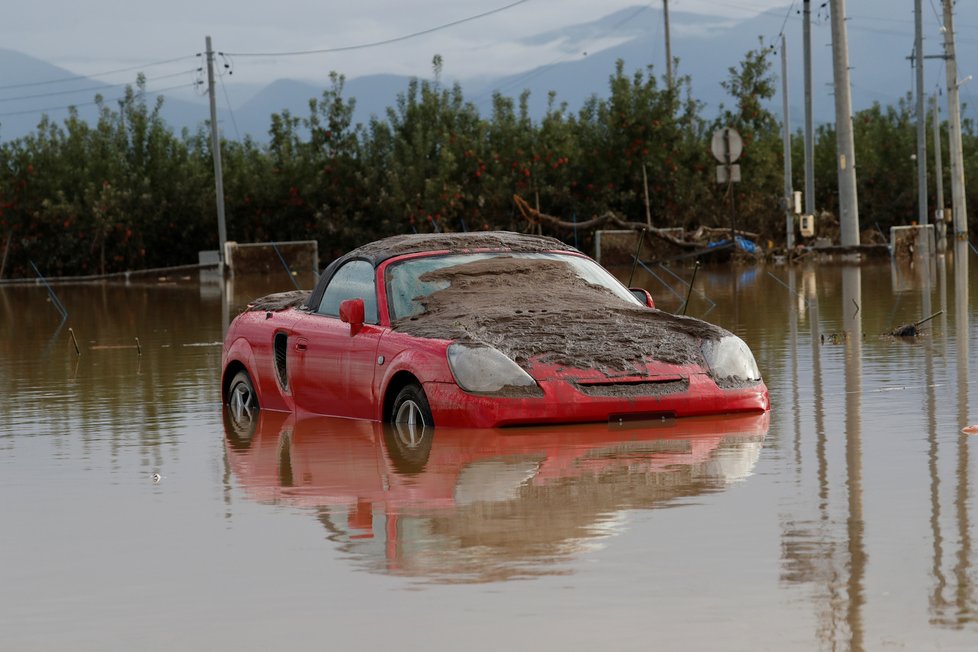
241, 396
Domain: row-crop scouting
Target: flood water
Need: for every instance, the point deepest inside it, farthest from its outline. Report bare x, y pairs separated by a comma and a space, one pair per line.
842, 520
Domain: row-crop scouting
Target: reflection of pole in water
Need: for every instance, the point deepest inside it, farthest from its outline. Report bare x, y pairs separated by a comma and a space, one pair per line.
227, 295
937, 600
964, 597
821, 551
852, 320
955, 607
795, 398
821, 452
942, 294
925, 276
962, 328
811, 291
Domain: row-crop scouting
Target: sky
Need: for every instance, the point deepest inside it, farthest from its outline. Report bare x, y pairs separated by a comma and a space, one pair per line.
98, 36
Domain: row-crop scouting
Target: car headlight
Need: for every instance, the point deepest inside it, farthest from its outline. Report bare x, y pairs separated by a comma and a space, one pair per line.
730, 361
483, 369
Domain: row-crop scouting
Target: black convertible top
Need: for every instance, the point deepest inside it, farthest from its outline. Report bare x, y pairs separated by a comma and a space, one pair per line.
413, 243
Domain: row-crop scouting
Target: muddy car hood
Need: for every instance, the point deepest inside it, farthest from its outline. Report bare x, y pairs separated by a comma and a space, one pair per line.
538, 312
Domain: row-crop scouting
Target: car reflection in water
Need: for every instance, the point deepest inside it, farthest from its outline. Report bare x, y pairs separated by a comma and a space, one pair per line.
481, 505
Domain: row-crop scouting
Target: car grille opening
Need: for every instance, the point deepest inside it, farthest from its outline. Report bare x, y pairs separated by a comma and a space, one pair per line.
634, 389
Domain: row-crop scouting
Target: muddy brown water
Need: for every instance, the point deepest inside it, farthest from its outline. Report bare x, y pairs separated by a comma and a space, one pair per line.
843, 520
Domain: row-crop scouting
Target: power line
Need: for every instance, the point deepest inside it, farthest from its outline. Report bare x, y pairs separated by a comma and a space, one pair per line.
785, 21
374, 44
88, 89
99, 74
227, 100
71, 106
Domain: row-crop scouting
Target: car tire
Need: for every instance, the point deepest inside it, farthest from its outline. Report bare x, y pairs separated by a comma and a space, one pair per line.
410, 432
411, 407
241, 415
241, 395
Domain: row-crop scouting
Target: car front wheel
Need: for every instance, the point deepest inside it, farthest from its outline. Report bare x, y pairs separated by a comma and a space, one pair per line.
411, 408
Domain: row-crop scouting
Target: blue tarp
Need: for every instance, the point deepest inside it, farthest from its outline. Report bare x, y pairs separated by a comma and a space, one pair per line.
742, 243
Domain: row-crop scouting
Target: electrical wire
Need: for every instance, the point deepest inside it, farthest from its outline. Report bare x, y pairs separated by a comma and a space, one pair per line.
99, 74
784, 23
374, 44
227, 100
87, 89
71, 106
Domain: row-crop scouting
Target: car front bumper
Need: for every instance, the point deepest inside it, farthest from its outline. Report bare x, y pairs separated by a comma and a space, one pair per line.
564, 402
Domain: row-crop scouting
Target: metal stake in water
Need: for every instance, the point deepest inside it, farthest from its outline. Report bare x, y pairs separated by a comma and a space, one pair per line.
637, 256
71, 334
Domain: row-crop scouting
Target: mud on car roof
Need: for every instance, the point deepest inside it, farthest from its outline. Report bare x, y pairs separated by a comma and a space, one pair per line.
415, 243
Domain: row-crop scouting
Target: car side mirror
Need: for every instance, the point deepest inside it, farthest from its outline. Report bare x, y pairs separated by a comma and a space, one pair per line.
643, 295
351, 312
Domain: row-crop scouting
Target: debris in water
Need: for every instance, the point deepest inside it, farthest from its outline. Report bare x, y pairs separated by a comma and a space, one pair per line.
912, 330
835, 338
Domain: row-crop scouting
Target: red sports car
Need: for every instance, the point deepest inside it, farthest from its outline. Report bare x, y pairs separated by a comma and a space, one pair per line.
480, 330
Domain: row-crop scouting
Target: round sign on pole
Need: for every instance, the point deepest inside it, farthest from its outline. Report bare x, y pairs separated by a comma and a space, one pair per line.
726, 143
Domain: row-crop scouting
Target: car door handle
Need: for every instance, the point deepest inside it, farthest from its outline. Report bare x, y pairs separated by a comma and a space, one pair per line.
300, 346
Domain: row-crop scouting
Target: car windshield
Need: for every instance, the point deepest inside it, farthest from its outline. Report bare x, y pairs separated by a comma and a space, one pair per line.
405, 289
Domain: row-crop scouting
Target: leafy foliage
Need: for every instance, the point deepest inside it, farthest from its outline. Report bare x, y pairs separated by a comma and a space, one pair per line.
128, 193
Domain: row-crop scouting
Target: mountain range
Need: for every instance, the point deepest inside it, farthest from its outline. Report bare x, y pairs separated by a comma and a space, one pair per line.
880, 42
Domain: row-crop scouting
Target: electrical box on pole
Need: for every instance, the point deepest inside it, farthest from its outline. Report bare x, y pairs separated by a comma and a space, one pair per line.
807, 226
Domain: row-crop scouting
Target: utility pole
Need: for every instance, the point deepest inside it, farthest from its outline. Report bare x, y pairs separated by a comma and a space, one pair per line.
845, 149
939, 224
665, 16
938, 163
958, 202
789, 213
809, 128
921, 125
216, 152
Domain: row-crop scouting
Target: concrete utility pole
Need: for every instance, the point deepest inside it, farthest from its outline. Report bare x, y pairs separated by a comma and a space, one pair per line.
939, 226
921, 122
789, 213
809, 129
845, 149
958, 202
216, 153
665, 16
938, 163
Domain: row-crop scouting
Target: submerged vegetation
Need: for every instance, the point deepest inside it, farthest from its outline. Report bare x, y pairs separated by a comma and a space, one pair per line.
129, 193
